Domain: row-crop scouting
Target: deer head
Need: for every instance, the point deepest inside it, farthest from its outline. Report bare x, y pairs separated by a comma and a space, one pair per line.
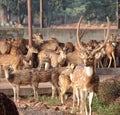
87, 56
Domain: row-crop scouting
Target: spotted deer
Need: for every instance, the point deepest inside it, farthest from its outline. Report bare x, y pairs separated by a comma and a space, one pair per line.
65, 81
84, 80
50, 58
17, 61
31, 77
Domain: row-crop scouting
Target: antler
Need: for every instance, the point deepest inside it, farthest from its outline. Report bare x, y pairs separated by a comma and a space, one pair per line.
105, 39
77, 34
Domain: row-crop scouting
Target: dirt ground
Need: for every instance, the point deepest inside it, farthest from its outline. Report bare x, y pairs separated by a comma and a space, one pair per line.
31, 107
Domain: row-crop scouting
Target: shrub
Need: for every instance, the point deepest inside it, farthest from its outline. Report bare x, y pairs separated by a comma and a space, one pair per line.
109, 91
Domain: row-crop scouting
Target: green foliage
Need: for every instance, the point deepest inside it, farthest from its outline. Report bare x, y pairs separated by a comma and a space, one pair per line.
99, 107
49, 101
66, 11
111, 91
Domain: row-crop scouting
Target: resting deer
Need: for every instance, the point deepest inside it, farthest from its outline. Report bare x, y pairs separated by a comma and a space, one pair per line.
83, 77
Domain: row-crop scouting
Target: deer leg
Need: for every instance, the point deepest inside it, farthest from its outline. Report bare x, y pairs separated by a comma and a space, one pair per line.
90, 102
105, 61
74, 93
74, 97
47, 65
114, 59
110, 58
83, 106
1, 70
117, 61
40, 64
18, 90
34, 91
101, 64
95, 65
62, 92
53, 91
77, 96
14, 92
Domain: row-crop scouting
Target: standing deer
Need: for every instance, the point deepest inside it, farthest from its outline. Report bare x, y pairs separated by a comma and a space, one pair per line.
65, 81
21, 78
83, 77
51, 58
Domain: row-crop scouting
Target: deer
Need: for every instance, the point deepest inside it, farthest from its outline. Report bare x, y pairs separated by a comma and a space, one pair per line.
51, 58
28, 59
84, 77
5, 45
68, 47
31, 77
19, 45
21, 78
65, 81
51, 44
10, 60
17, 61
74, 57
38, 39
110, 52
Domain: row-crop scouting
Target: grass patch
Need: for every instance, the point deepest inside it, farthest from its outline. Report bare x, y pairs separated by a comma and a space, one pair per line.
101, 108
49, 100
103, 104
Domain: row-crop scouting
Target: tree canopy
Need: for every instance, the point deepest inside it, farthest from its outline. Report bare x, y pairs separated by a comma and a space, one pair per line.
63, 11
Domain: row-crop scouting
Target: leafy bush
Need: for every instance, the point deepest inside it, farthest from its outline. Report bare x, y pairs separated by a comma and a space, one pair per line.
109, 91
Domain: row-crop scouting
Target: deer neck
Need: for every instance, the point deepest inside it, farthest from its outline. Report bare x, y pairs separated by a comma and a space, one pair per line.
89, 70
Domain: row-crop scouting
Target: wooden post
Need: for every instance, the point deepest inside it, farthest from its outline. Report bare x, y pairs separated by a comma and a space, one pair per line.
118, 13
18, 5
41, 13
29, 22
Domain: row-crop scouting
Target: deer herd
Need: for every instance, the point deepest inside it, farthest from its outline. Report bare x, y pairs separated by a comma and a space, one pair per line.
64, 65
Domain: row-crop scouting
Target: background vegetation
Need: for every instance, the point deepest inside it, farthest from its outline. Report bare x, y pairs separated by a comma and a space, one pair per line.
58, 12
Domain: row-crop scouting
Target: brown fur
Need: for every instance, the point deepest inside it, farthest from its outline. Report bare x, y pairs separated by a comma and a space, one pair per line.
21, 43
4, 47
52, 58
32, 77
22, 77
65, 81
11, 60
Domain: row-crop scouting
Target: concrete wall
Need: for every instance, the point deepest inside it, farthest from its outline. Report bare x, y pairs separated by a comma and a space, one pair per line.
63, 35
